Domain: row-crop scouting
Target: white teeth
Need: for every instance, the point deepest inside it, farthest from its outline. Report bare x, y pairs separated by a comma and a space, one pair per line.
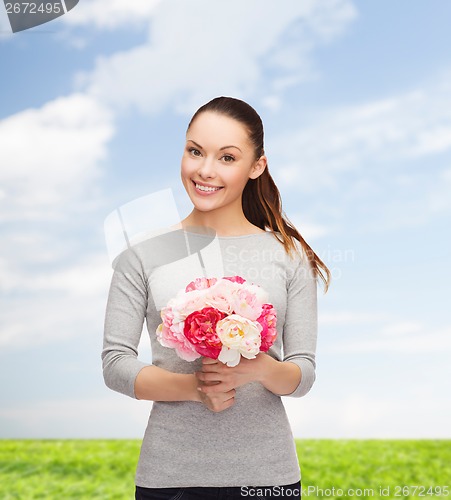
203, 188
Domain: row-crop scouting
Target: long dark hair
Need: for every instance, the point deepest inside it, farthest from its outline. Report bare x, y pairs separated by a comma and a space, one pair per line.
261, 201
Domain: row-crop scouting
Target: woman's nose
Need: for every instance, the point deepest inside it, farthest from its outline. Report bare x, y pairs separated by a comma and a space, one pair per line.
207, 168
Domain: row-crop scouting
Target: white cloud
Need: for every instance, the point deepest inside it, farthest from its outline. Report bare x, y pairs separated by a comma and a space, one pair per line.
406, 337
353, 416
86, 278
386, 334
51, 160
62, 304
65, 303
111, 14
402, 328
358, 415
313, 231
196, 51
438, 200
272, 102
50, 155
309, 230
366, 139
351, 317
408, 200
100, 14
6, 33
383, 332
111, 416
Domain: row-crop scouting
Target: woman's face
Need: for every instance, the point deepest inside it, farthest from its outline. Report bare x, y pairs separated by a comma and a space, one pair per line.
218, 153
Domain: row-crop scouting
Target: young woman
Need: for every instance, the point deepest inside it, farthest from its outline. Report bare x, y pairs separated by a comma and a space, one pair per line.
216, 431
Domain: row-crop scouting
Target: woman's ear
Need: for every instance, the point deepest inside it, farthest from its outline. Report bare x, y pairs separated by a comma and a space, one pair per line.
259, 167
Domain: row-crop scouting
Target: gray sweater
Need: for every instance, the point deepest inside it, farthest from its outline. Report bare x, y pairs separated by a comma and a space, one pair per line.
186, 444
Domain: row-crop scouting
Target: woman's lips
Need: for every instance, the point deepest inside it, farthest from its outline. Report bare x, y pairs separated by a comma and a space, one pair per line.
205, 193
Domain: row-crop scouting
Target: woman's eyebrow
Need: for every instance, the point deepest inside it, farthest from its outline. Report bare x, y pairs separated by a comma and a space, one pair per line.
220, 149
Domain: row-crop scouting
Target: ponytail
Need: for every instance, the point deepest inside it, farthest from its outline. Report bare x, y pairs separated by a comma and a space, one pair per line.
262, 206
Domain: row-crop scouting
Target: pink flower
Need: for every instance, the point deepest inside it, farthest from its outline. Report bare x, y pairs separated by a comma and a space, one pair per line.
219, 296
247, 301
200, 330
268, 319
235, 279
220, 318
200, 284
170, 334
184, 305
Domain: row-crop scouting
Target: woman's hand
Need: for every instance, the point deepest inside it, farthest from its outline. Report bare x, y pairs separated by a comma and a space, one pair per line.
215, 401
217, 381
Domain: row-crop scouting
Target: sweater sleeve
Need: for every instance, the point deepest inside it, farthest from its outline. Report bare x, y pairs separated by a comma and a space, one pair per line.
124, 317
301, 325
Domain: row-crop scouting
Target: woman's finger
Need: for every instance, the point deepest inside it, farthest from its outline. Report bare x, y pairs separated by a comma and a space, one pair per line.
210, 377
211, 368
209, 361
214, 388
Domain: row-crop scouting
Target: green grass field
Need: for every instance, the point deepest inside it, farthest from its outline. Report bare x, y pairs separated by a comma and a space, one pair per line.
104, 469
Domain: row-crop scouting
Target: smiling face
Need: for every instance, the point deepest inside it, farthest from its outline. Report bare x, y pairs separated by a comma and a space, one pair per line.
218, 154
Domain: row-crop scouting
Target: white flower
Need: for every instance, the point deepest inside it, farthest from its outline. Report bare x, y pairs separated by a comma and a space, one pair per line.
239, 336
230, 357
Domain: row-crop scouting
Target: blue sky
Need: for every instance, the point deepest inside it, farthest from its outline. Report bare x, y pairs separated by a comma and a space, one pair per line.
356, 102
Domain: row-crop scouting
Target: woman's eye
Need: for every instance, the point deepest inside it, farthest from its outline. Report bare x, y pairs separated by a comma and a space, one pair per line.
194, 151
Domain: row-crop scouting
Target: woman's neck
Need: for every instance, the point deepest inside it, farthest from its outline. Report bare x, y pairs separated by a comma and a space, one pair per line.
237, 226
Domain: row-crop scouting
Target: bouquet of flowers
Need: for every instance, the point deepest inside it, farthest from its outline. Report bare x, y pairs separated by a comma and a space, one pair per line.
223, 319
